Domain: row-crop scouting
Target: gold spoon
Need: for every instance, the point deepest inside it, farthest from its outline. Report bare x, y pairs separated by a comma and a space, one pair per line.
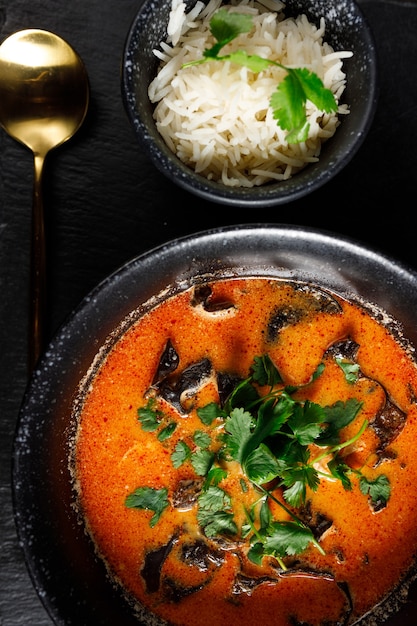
44, 96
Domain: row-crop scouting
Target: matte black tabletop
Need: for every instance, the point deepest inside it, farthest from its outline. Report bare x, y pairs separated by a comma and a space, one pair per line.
105, 203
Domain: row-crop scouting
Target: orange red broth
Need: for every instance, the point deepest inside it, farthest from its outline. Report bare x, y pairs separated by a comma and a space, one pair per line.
366, 551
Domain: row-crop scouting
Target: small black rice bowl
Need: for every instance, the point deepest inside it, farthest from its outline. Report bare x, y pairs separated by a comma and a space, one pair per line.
346, 29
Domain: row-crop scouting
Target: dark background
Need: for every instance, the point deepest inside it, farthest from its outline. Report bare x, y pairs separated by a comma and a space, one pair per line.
106, 203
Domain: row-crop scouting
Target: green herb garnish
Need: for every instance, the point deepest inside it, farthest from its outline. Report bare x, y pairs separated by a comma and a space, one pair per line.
283, 446
155, 500
153, 420
350, 370
378, 490
214, 512
288, 102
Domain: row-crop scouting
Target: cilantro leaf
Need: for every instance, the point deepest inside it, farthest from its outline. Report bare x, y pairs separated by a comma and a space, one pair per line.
152, 419
379, 490
256, 553
319, 371
265, 372
265, 515
271, 416
340, 470
288, 105
217, 523
288, 101
292, 452
287, 538
274, 413
306, 421
261, 465
155, 500
273, 437
296, 480
350, 370
337, 416
202, 439
167, 431
226, 26
243, 395
202, 460
295, 494
214, 476
298, 134
209, 413
237, 433
214, 512
180, 454
149, 418
314, 90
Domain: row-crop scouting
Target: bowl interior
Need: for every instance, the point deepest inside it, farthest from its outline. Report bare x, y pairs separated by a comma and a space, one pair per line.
346, 29
70, 580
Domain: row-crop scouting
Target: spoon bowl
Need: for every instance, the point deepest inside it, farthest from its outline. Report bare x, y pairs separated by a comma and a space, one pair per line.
44, 96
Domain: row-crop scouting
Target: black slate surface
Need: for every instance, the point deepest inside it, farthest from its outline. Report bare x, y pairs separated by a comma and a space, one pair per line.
105, 203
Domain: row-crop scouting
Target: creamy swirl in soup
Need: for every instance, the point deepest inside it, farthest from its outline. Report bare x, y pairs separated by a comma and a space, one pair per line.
245, 453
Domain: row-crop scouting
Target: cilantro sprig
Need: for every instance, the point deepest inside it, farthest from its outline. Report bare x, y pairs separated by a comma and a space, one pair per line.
284, 446
272, 440
288, 102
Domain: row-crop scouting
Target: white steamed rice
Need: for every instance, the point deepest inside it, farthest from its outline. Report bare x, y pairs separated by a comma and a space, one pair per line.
216, 116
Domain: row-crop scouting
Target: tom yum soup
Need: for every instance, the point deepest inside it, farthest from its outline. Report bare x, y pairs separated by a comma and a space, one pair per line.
245, 454
245, 95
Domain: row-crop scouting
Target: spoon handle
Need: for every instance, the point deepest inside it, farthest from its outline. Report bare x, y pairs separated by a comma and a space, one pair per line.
38, 268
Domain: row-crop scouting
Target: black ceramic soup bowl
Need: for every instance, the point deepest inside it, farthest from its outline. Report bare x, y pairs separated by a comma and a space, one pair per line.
346, 29
71, 581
